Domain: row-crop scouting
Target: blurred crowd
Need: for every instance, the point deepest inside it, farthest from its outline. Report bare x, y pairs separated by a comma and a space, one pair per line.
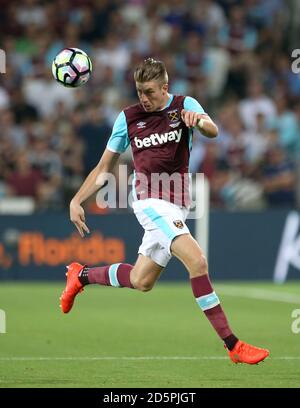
234, 57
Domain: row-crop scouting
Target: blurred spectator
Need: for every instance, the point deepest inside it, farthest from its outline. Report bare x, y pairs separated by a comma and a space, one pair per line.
238, 36
256, 142
45, 159
286, 125
95, 133
210, 160
40, 85
236, 146
11, 131
31, 12
229, 190
257, 102
23, 111
24, 181
279, 178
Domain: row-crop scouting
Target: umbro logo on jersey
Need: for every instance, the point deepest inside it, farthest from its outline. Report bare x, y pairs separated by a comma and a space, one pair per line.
156, 138
141, 125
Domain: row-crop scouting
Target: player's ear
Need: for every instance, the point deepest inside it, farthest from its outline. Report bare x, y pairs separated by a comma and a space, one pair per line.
165, 88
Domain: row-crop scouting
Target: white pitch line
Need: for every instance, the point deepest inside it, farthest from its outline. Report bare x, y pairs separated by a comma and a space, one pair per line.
138, 358
261, 294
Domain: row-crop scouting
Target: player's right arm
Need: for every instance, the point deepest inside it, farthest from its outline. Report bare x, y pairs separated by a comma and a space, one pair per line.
89, 187
116, 145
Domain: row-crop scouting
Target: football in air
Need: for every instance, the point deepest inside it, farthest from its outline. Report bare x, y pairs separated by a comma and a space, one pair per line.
72, 67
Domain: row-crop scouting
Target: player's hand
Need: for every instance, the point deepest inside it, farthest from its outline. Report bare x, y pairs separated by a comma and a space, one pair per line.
78, 218
190, 118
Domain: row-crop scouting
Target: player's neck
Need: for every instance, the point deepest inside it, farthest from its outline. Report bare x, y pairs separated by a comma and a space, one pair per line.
165, 102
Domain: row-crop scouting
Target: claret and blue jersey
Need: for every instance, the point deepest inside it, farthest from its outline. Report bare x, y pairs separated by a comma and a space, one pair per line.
160, 142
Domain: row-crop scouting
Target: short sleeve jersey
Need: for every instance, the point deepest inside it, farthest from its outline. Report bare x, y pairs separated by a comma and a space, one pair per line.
161, 144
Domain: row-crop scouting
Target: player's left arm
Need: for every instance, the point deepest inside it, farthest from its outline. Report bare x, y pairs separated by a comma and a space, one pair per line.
193, 116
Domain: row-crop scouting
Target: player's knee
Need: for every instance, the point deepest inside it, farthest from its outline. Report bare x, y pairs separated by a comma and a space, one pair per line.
203, 264
199, 266
146, 287
143, 285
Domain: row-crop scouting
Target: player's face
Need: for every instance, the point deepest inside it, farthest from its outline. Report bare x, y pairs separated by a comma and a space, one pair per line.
152, 95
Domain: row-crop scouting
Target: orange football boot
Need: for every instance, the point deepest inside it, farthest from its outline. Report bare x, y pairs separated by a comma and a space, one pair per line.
73, 287
246, 353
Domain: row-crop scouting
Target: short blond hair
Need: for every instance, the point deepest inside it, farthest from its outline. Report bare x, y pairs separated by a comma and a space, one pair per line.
151, 70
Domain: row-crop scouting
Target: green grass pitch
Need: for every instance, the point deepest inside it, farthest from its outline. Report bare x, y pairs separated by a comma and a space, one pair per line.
121, 338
